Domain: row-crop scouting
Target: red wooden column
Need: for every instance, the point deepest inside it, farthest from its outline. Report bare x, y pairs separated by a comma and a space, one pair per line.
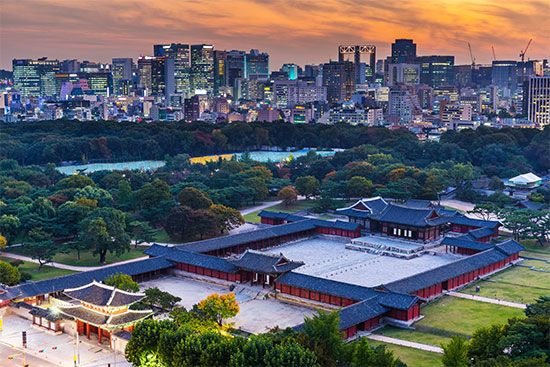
88, 330
99, 335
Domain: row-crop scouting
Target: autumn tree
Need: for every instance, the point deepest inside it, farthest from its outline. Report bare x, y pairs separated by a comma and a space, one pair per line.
219, 307
9, 274
288, 195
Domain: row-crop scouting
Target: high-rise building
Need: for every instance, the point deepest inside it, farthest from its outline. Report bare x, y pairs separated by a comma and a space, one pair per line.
403, 51
145, 64
100, 83
403, 74
537, 99
220, 78
339, 80
289, 93
122, 75
357, 55
35, 77
159, 75
202, 69
235, 66
179, 53
436, 71
481, 75
257, 65
69, 66
291, 70
505, 74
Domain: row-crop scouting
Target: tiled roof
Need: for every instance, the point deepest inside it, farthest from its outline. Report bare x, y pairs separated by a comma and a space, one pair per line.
246, 237
30, 289
322, 285
265, 262
44, 313
464, 242
403, 215
98, 319
177, 254
445, 272
355, 213
360, 312
418, 204
481, 232
466, 221
103, 295
509, 247
398, 301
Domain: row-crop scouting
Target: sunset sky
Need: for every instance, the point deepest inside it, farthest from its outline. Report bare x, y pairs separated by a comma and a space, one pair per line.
300, 31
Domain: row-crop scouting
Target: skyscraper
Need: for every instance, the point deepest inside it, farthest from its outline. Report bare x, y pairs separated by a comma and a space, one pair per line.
160, 74
235, 66
35, 77
505, 74
403, 51
179, 53
202, 69
537, 99
436, 71
122, 75
403, 74
291, 70
257, 65
339, 80
357, 55
144, 70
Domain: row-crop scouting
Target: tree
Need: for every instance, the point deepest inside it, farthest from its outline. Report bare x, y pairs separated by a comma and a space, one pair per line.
9, 274
103, 197
485, 211
105, 230
177, 223
290, 354
363, 355
41, 246
75, 182
307, 186
141, 232
123, 282
218, 307
145, 339
460, 173
9, 224
164, 300
455, 352
194, 198
151, 194
227, 218
288, 195
359, 187
3, 242
322, 336
124, 195
257, 184
484, 343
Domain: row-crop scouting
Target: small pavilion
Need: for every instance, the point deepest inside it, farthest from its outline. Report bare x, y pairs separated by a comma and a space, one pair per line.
102, 310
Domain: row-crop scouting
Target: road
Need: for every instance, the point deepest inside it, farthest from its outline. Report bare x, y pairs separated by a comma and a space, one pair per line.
261, 206
488, 300
11, 357
405, 343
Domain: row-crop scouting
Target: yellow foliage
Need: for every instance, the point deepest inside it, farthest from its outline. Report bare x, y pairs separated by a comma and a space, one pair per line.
210, 158
3, 242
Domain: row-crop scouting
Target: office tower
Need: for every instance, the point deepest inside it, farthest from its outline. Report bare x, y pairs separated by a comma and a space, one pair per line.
35, 77
179, 53
357, 55
403, 74
122, 75
463, 75
436, 71
482, 75
144, 71
234, 66
289, 93
220, 78
312, 71
100, 83
339, 80
159, 75
505, 74
401, 104
291, 70
202, 69
69, 66
403, 51
257, 65
537, 100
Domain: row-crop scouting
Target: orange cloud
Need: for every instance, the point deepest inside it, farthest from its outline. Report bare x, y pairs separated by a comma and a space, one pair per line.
302, 31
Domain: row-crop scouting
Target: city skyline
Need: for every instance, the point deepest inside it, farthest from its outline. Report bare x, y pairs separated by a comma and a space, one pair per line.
298, 31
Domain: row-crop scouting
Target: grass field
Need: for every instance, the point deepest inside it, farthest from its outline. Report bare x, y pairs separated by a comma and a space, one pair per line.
46, 272
410, 356
86, 257
450, 316
516, 284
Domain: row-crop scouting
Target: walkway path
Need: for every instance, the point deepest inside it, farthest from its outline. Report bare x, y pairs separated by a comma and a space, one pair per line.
261, 206
405, 343
68, 267
487, 300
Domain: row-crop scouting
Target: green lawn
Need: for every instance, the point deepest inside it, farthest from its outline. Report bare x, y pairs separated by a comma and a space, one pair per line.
87, 258
450, 316
46, 272
411, 356
516, 284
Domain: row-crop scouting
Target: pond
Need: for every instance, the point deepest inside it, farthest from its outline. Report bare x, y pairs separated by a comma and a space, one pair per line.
121, 166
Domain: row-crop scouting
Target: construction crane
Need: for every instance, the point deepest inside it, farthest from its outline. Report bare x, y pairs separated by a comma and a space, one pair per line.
494, 56
471, 55
522, 53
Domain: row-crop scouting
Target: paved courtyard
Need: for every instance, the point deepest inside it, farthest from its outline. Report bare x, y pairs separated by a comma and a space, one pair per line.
327, 257
256, 314
53, 349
